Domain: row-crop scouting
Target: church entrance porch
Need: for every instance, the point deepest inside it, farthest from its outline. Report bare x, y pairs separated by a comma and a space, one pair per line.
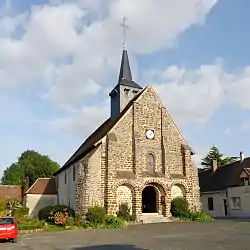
153, 205
149, 200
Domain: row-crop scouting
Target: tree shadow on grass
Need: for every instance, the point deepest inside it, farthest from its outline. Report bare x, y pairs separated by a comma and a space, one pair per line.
110, 247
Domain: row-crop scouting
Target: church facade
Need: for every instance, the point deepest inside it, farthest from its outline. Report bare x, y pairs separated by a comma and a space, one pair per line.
138, 156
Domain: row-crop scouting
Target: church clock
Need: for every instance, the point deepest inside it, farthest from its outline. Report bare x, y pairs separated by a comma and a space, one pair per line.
150, 134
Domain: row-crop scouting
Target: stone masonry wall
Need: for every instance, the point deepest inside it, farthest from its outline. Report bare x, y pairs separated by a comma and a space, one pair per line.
89, 189
10, 191
117, 170
124, 195
173, 161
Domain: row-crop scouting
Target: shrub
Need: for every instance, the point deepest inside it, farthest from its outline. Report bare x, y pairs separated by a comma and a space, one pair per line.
114, 222
200, 217
60, 218
80, 220
44, 213
96, 215
179, 207
20, 212
47, 213
17, 209
192, 216
70, 221
124, 212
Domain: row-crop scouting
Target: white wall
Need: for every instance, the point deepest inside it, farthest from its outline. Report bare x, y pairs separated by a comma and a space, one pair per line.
67, 192
218, 198
37, 201
244, 193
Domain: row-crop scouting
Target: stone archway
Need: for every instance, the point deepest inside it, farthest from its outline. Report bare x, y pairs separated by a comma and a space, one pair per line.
125, 195
177, 190
149, 200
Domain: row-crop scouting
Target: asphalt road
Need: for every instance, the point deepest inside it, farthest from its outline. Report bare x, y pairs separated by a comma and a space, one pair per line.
168, 236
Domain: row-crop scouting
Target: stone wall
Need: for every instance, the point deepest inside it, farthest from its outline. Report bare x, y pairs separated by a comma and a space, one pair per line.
124, 196
173, 165
89, 183
118, 170
10, 191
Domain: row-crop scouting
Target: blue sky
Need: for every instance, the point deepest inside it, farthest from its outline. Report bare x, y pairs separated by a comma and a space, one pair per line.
60, 59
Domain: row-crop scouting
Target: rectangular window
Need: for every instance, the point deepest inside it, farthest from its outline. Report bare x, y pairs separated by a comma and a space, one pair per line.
210, 202
74, 173
6, 221
65, 178
246, 181
236, 203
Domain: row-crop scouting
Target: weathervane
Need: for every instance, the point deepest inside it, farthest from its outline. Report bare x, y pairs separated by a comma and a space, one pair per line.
124, 31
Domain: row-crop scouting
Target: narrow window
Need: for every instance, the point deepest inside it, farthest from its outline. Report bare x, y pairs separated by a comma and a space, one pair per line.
151, 163
126, 92
65, 178
236, 203
210, 202
74, 173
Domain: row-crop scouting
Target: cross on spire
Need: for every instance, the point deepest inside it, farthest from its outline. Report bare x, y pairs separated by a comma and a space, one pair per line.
125, 27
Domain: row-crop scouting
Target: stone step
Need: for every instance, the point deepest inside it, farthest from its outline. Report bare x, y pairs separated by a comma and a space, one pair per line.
152, 218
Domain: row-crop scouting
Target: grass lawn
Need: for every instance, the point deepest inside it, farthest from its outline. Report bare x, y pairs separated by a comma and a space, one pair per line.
54, 228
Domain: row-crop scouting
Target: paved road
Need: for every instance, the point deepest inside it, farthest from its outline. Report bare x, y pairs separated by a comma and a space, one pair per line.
165, 236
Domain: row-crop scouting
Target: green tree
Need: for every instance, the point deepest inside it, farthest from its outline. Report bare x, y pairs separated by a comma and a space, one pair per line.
30, 166
214, 153
12, 175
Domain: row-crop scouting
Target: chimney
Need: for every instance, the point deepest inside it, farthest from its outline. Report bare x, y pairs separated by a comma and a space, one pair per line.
214, 165
241, 156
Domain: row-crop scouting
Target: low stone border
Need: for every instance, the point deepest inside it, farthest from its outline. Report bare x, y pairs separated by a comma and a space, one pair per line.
31, 231
131, 223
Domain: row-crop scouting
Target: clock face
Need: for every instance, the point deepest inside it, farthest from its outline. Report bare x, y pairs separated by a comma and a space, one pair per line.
150, 134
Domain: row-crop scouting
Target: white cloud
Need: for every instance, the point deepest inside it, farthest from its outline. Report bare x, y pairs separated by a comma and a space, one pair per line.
84, 121
159, 24
193, 95
190, 95
61, 45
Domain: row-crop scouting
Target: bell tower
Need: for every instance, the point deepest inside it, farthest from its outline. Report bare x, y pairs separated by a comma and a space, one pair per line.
126, 89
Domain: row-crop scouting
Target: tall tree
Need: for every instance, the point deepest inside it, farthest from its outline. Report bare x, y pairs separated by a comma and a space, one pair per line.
30, 166
12, 175
214, 153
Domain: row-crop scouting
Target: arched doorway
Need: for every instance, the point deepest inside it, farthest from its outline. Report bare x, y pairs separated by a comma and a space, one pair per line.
149, 200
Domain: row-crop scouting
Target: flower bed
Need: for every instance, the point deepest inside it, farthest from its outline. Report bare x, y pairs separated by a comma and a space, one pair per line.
95, 217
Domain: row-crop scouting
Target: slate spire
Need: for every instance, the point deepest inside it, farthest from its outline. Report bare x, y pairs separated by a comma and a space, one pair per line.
125, 71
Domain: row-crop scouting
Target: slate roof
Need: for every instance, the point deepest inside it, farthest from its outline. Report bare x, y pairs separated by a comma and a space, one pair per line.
125, 75
89, 143
125, 71
43, 186
223, 177
131, 83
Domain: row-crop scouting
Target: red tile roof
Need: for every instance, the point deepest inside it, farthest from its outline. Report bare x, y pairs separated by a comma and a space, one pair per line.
43, 186
247, 170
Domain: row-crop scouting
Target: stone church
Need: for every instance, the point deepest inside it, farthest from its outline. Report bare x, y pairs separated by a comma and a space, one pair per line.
138, 156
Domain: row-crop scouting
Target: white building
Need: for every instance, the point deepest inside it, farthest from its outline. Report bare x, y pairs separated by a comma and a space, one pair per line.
225, 191
41, 194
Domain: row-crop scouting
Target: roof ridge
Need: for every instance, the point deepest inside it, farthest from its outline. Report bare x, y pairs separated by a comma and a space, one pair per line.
28, 190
